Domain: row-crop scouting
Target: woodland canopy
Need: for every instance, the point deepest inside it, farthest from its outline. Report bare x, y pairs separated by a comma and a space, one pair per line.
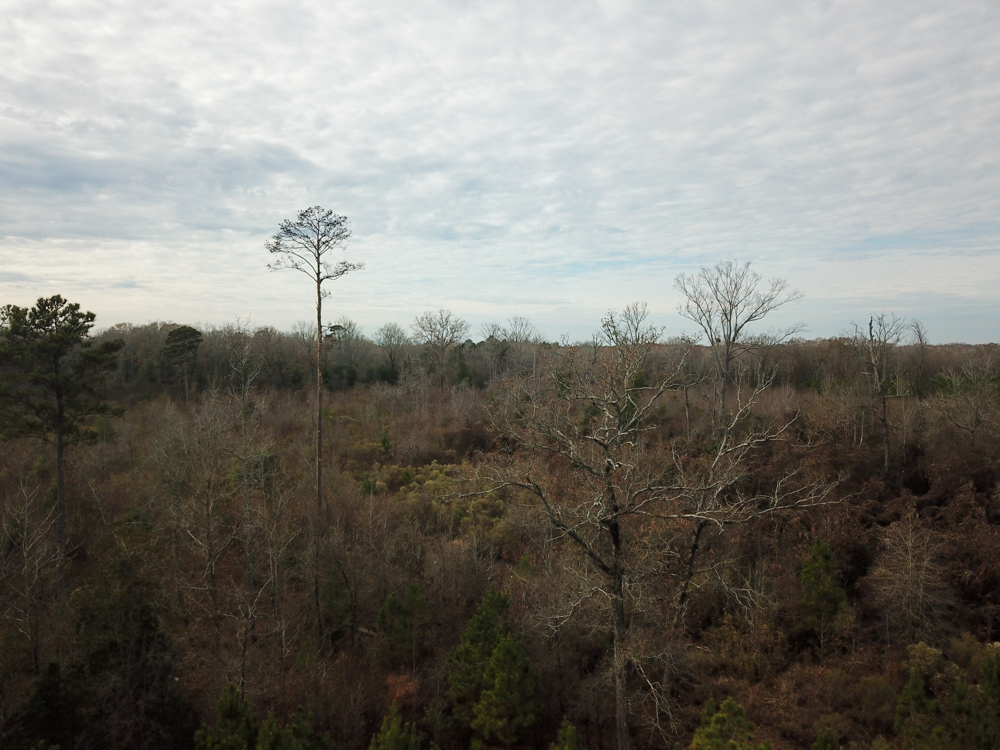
628, 542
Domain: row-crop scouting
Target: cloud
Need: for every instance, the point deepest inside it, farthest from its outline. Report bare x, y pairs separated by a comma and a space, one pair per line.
551, 160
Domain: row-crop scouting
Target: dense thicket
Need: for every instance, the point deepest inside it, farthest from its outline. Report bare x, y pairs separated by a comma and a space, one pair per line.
768, 560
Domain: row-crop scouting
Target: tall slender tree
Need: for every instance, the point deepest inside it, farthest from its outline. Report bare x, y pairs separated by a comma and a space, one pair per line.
876, 353
305, 245
50, 378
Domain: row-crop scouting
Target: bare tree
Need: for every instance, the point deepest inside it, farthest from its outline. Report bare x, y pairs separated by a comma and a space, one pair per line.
970, 400
27, 566
524, 342
875, 351
193, 459
304, 332
304, 245
919, 331
439, 331
591, 419
521, 331
632, 501
723, 300
350, 344
909, 583
391, 338
496, 342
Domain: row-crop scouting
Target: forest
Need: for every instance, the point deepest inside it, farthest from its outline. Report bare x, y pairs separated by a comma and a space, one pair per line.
239, 537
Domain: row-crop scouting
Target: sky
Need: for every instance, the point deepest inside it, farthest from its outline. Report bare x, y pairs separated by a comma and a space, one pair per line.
552, 160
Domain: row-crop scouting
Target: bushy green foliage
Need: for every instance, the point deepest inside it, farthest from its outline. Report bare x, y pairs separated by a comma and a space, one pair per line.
507, 705
939, 709
124, 661
396, 734
827, 740
822, 596
50, 373
49, 716
725, 727
235, 728
467, 662
399, 626
568, 738
297, 734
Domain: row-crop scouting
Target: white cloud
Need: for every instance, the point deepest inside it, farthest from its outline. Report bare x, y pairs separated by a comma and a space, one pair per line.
551, 159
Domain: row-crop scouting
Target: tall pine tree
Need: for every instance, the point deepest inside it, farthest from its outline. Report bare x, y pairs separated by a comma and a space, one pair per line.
507, 706
822, 596
467, 661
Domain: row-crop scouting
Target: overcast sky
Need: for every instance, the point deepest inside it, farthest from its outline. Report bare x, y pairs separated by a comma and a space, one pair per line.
545, 159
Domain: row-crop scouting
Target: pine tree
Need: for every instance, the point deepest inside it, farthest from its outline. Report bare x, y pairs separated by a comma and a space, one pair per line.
50, 378
918, 716
50, 715
989, 698
568, 738
274, 737
235, 728
725, 728
396, 734
181, 350
399, 624
506, 708
467, 661
822, 596
827, 740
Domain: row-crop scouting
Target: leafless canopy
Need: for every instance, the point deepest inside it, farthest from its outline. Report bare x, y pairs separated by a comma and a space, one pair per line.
439, 331
723, 300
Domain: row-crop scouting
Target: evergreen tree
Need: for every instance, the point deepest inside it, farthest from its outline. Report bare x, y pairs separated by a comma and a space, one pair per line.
50, 378
124, 669
273, 736
989, 697
467, 661
822, 596
963, 726
396, 734
568, 738
235, 728
49, 716
181, 349
399, 624
827, 740
725, 728
506, 708
918, 716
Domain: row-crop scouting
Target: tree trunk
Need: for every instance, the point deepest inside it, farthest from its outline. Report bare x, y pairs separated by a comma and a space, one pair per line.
319, 455
885, 432
60, 500
620, 630
687, 414
689, 572
620, 660
319, 395
213, 592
